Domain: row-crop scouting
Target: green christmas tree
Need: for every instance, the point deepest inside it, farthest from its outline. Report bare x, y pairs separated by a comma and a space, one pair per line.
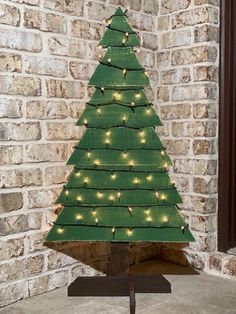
119, 189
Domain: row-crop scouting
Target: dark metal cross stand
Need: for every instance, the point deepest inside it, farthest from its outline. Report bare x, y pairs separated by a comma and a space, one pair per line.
118, 281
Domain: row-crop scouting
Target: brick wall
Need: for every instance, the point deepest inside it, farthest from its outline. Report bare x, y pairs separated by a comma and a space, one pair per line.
48, 52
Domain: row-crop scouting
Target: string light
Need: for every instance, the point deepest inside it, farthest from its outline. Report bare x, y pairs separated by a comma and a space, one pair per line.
99, 111
108, 133
131, 163
136, 181
107, 141
141, 133
132, 103
102, 89
127, 34
79, 198
96, 220
165, 166
88, 155
129, 232
163, 197
143, 141
157, 194
130, 210
124, 155
124, 119
165, 218
78, 174
111, 197
146, 74
124, 72
109, 60
113, 230
67, 193
96, 162
94, 213
119, 195
79, 217
182, 228
86, 180
99, 195
85, 122
148, 111
123, 41
163, 153
149, 218
147, 211
149, 178
60, 230
138, 95
113, 176
117, 95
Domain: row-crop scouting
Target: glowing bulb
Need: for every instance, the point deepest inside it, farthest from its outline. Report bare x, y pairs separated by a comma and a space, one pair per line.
149, 218
141, 133
163, 153
94, 213
146, 73
113, 176
109, 60
147, 211
88, 155
108, 22
165, 165
119, 194
100, 47
86, 180
96, 220
182, 228
124, 155
131, 163
130, 209
124, 119
136, 181
78, 174
124, 71
163, 197
60, 230
117, 95
96, 162
79, 198
79, 217
127, 34
138, 95
108, 133
113, 230
67, 192
143, 141
102, 89
148, 111
123, 40
132, 104
107, 141
99, 195
85, 121
111, 197
164, 218
157, 195
99, 111
149, 178
129, 232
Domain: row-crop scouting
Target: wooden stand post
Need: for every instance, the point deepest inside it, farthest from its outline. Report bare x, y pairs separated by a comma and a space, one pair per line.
118, 282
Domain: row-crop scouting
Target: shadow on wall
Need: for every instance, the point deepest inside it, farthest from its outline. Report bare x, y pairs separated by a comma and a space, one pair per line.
97, 255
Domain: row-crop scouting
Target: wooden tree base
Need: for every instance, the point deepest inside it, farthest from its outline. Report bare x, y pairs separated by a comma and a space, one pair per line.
118, 282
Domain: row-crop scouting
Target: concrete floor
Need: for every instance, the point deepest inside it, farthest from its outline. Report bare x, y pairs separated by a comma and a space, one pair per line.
192, 293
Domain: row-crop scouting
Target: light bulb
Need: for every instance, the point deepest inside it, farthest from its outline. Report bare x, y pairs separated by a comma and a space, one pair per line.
79, 198
94, 213
102, 89
88, 155
119, 194
60, 230
78, 174
123, 40
109, 60
111, 197
117, 95
163, 197
124, 71
96, 220
163, 153
165, 165
129, 232
108, 133
131, 163
107, 141
96, 162
124, 119
147, 211
99, 195
149, 178
127, 34
146, 73
109, 22
67, 192
149, 218
85, 121
165, 218
79, 217
124, 155
86, 180
143, 141
99, 111
130, 209
138, 95
141, 133
148, 111
132, 104
157, 195
136, 181
182, 228
113, 176
113, 230
172, 182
